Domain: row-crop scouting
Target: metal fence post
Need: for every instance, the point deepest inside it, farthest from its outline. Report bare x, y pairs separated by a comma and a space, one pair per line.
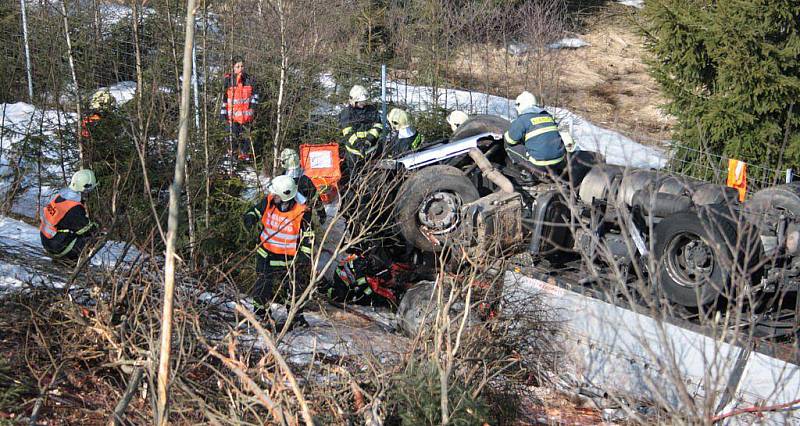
27, 49
789, 175
383, 94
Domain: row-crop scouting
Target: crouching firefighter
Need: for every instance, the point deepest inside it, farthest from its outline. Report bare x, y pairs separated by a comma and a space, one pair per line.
533, 141
366, 279
65, 226
285, 243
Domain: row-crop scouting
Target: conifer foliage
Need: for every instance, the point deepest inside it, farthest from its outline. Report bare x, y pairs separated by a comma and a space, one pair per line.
731, 72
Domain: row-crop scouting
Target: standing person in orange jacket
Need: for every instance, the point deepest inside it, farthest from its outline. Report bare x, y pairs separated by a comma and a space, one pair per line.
285, 243
65, 227
239, 103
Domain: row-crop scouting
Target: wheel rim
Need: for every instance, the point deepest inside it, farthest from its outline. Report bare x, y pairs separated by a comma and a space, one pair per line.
690, 261
439, 212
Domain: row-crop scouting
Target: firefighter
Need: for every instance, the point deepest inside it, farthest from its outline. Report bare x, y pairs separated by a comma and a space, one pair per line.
367, 279
456, 118
361, 128
94, 125
284, 246
290, 162
239, 103
533, 141
65, 226
405, 137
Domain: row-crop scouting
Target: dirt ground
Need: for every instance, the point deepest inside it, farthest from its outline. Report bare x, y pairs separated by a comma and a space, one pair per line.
606, 82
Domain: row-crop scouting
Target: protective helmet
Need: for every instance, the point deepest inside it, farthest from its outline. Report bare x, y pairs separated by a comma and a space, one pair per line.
358, 94
524, 101
456, 119
102, 99
283, 187
290, 159
83, 180
398, 119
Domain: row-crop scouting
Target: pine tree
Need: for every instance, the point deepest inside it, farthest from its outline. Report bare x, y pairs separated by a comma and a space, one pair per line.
731, 72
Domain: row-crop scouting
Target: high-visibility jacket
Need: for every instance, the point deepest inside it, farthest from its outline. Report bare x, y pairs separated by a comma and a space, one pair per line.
737, 177
539, 131
283, 234
53, 213
63, 221
87, 122
239, 99
361, 129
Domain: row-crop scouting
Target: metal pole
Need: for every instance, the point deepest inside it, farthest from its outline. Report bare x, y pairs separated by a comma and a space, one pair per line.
789, 175
27, 49
383, 94
194, 87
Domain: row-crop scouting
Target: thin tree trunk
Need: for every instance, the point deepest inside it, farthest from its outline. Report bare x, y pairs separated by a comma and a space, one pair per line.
84, 161
205, 117
281, 86
172, 228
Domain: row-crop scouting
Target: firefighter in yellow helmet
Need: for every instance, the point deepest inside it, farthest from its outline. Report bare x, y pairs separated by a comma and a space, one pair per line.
404, 136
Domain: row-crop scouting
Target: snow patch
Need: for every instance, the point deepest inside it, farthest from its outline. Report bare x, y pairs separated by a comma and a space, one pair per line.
568, 43
123, 91
639, 4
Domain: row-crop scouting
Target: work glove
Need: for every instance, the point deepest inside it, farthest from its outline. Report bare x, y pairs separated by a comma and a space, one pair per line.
569, 143
249, 220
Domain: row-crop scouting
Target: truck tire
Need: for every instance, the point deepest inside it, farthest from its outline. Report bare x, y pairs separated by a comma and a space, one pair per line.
785, 198
432, 198
481, 123
693, 257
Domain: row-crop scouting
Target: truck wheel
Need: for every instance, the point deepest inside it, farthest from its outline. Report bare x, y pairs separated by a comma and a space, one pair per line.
693, 256
429, 202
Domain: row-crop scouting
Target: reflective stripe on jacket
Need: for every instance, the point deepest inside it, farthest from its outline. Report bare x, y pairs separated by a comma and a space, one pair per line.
52, 214
282, 231
239, 100
539, 131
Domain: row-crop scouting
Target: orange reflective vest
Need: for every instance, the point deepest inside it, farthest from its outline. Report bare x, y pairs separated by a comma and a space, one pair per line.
239, 99
282, 231
85, 133
52, 214
737, 177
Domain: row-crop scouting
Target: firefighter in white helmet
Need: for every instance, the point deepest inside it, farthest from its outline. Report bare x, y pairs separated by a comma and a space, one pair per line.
404, 136
456, 118
285, 243
65, 226
533, 141
361, 126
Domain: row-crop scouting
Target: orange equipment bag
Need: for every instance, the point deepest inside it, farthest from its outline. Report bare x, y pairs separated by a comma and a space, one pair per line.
321, 164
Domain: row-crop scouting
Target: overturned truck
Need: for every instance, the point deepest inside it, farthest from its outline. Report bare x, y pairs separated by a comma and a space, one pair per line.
677, 240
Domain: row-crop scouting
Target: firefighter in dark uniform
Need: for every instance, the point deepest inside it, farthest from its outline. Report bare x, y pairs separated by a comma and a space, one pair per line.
239, 103
533, 141
290, 162
361, 126
65, 226
285, 244
405, 137
367, 279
